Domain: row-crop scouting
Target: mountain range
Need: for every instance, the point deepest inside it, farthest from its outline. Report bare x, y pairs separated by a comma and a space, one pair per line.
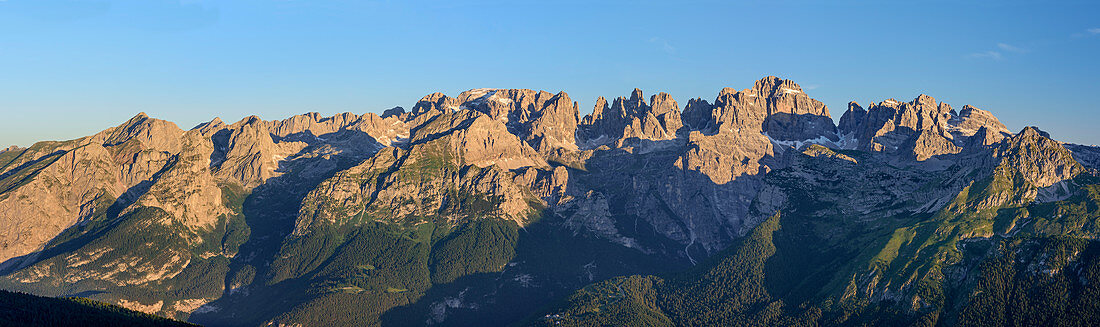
506, 206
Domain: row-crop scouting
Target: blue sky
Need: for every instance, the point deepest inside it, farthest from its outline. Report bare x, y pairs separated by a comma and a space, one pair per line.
71, 68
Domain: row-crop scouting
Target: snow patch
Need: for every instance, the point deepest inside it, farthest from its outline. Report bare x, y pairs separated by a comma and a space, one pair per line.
820, 140
480, 93
596, 142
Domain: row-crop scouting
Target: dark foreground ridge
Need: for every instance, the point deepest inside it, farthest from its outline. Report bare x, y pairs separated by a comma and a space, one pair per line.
21, 309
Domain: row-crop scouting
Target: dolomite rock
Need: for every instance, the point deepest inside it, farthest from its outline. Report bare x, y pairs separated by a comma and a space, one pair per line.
920, 129
1042, 161
774, 106
76, 180
545, 121
633, 119
696, 180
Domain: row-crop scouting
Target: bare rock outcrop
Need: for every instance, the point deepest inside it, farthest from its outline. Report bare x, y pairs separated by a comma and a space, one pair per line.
971, 120
917, 129
773, 105
632, 118
544, 120
920, 129
253, 150
637, 172
1087, 155
59, 184
437, 102
458, 166
1040, 160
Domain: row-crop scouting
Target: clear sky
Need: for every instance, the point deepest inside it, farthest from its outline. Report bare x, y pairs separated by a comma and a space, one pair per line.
71, 68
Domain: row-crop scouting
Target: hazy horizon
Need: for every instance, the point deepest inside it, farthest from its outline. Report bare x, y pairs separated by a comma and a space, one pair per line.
78, 67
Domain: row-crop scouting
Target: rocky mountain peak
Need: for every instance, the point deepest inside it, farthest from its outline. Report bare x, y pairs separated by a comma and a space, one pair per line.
154, 133
662, 103
921, 128
775, 86
636, 95
925, 100
984, 137
546, 121
475, 138
434, 101
774, 106
601, 105
208, 128
633, 119
891, 102
697, 113
393, 112
852, 118
915, 128
971, 120
1030, 133
431, 192
250, 120
1041, 160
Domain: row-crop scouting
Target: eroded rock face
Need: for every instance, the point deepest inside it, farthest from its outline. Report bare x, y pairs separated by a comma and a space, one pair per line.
54, 185
636, 172
774, 106
185, 188
852, 120
434, 102
921, 129
632, 119
476, 139
888, 125
971, 120
697, 114
253, 150
927, 144
1088, 156
545, 121
509, 136
147, 162
458, 166
1040, 160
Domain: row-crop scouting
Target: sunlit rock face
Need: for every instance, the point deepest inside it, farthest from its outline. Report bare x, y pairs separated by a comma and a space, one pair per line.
259, 207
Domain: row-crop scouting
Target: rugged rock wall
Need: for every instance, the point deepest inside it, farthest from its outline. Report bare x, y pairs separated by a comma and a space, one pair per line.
637, 172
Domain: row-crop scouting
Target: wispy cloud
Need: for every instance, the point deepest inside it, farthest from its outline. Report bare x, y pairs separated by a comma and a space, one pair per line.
1010, 48
810, 87
1002, 50
986, 55
1087, 32
663, 44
